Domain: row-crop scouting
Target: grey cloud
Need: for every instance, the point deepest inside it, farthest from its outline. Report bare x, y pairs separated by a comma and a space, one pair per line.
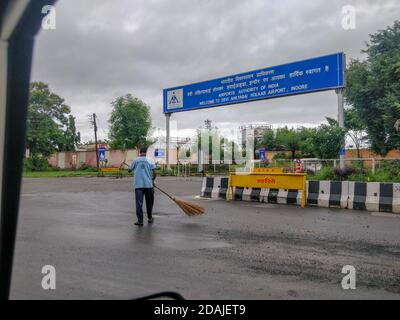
102, 49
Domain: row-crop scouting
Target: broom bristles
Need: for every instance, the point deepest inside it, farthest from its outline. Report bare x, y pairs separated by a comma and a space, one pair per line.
191, 209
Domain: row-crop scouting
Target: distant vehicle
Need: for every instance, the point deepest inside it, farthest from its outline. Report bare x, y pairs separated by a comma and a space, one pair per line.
311, 165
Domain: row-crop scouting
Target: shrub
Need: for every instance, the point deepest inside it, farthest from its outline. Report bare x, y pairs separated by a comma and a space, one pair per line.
165, 172
281, 155
345, 173
384, 176
358, 164
361, 177
36, 163
53, 168
389, 172
86, 167
326, 173
392, 168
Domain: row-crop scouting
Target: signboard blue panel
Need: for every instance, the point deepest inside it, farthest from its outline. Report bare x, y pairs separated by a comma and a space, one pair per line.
102, 153
261, 153
159, 153
317, 74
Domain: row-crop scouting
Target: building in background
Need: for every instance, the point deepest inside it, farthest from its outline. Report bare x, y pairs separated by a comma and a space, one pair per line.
258, 129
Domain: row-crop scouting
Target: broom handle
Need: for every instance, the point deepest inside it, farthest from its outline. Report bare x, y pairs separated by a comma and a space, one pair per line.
164, 192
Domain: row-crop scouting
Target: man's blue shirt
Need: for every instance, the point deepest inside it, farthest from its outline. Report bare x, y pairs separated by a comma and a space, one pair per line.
143, 172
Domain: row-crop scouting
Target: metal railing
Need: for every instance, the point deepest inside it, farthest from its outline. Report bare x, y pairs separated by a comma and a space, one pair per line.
373, 164
187, 169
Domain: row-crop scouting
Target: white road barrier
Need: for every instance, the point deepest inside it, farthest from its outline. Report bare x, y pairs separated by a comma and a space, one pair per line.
370, 196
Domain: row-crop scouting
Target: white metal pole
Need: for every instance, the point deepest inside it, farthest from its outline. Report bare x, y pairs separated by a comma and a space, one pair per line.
340, 99
167, 118
373, 166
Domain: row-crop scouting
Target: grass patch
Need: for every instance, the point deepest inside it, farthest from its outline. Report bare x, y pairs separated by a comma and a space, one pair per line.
64, 174
388, 173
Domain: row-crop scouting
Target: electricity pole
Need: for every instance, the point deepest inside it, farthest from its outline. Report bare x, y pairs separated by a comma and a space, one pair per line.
95, 140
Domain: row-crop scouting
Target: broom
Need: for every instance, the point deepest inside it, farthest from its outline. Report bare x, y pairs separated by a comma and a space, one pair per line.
191, 209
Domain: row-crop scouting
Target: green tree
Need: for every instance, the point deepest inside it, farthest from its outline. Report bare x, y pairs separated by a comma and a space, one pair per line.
130, 123
269, 139
71, 138
288, 139
327, 141
306, 146
355, 129
50, 126
373, 88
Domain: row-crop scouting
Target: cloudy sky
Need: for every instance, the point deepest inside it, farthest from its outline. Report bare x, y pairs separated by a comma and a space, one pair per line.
102, 49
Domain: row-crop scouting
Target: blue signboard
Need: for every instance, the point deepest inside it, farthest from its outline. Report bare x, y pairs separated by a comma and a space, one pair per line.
317, 74
159, 153
102, 153
342, 152
261, 153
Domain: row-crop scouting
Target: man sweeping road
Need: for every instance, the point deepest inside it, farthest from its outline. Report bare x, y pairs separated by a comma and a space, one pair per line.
144, 175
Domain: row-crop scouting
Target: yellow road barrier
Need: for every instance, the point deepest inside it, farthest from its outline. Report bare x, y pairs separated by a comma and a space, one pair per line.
115, 170
268, 170
289, 181
110, 170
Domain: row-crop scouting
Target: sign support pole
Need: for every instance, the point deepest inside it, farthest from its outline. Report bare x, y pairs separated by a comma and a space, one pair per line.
167, 118
340, 99
95, 142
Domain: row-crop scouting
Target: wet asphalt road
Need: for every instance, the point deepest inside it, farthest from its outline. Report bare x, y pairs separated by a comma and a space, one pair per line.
84, 228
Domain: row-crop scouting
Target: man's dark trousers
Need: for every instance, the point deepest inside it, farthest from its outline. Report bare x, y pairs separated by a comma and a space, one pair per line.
148, 193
